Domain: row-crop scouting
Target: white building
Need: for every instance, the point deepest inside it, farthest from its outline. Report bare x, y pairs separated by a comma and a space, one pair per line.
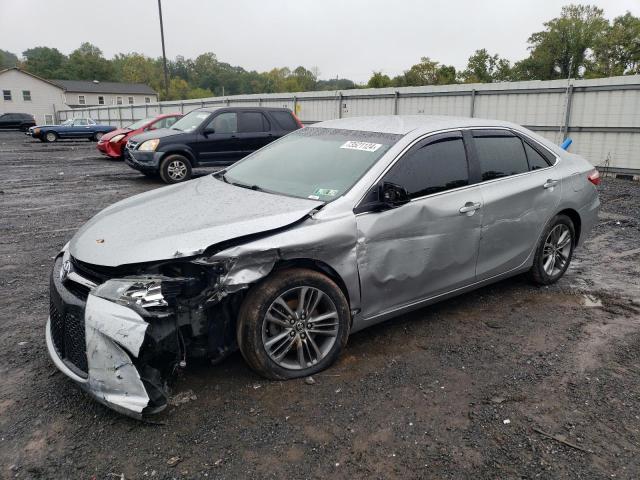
23, 92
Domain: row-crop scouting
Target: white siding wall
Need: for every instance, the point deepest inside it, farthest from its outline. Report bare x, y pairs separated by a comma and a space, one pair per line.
46, 99
91, 99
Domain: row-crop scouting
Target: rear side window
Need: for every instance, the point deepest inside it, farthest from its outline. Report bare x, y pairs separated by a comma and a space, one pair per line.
285, 120
500, 156
252, 122
536, 160
435, 167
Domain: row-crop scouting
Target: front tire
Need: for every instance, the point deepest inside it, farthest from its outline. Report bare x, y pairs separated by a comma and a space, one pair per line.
293, 324
175, 169
554, 252
51, 137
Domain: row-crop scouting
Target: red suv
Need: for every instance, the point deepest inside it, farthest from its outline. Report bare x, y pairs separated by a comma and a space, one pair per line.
112, 144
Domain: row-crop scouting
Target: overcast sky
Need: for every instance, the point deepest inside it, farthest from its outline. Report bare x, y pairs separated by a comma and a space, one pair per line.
347, 38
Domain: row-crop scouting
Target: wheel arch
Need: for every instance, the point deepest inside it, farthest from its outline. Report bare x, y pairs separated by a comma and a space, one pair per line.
180, 150
317, 266
575, 218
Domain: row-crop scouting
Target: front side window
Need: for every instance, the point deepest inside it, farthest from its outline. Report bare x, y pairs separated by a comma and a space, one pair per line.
130, 100
316, 163
500, 155
165, 122
435, 167
81, 100
6, 94
100, 100
119, 101
26, 95
224, 123
252, 122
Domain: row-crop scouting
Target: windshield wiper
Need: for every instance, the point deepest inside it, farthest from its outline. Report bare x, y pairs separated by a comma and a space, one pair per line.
223, 175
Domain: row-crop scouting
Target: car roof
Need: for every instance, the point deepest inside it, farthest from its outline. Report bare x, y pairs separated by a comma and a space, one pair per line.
404, 124
230, 107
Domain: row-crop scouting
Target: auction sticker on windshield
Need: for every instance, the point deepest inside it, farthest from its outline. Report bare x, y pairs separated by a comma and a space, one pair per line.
364, 146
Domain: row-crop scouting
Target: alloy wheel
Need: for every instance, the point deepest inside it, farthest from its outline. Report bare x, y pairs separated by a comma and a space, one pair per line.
557, 248
177, 170
300, 328
51, 137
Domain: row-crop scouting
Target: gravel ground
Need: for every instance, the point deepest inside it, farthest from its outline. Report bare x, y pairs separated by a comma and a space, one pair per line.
511, 381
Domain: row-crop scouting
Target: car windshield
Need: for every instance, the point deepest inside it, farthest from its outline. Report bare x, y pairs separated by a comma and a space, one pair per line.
191, 121
315, 163
139, 123
67, 122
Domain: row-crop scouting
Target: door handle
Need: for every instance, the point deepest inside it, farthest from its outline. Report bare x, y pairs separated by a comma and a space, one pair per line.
470, 207
550, 183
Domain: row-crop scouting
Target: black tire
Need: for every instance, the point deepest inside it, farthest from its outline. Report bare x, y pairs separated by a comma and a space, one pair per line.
538, 274
168, 168
50, 137
259, 300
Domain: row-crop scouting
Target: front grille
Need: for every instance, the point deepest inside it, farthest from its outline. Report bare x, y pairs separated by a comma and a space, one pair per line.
68, 335
77, 289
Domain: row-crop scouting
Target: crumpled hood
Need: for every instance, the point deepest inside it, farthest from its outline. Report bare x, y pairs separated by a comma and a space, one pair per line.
108, 136
181, 220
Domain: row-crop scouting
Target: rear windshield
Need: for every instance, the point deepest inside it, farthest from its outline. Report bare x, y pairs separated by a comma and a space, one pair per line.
315, 163
139, 123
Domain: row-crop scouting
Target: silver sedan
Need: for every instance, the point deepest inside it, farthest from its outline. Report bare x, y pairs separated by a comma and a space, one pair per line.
329, 230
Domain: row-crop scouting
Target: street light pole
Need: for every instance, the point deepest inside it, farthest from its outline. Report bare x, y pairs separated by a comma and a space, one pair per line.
164, 55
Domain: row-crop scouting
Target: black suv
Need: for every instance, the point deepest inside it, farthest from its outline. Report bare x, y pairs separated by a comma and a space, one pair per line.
207, 137
17, 121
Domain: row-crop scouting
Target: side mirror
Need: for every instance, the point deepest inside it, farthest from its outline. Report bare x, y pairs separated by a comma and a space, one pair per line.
392, 195
209, 131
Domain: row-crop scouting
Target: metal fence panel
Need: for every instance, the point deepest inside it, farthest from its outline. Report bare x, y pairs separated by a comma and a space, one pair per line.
601, 115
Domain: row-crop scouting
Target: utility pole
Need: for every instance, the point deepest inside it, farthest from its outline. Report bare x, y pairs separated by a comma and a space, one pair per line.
164, 55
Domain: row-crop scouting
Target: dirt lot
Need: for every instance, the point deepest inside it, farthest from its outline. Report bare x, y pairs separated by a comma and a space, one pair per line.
463, 389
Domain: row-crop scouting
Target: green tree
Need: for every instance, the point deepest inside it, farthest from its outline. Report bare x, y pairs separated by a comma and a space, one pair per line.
617, 52
561, 50
483, 67
137, 68
7, 59
45, 62
87, 63
379, 80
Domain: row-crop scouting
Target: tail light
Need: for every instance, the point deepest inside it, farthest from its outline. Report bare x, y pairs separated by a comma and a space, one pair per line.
297, 120
594, 177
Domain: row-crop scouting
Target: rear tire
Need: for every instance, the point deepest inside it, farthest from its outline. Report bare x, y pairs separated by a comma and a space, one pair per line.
51, 137
554, 252
175, 169
281, 340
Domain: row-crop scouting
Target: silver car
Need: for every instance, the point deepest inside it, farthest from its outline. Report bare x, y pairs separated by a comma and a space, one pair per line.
329, 230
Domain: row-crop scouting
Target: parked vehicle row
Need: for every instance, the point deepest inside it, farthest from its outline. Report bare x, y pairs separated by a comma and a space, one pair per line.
326, 231
169, 146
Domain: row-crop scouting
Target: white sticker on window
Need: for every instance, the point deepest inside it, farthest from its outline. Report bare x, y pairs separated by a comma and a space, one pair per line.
364, 146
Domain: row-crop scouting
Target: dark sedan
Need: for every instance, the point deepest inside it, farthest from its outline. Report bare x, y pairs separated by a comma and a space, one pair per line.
16, 121
72, 128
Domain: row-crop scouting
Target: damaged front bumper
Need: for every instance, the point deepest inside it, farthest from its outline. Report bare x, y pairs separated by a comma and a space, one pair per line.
114, 334
98, 343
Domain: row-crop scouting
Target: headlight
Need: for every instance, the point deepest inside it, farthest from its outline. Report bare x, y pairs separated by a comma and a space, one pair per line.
149, 145
144, 292
117, 138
